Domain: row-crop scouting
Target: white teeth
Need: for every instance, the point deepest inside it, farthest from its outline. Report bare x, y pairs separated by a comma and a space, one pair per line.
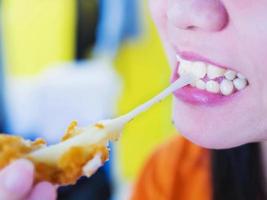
215, 72
200, 84
182, 70
230, 75
178, 58
212, 86
199, 69
226, 87
240, 83
241, 76
193, 84
206, 73
185, 67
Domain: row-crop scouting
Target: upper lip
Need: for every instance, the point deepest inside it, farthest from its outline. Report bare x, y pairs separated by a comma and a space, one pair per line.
191, 56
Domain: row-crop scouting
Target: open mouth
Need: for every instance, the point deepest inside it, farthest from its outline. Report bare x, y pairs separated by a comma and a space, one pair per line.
213, 83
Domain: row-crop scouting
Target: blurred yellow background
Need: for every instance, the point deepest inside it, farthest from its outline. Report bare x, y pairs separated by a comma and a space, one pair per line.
40, 33
145, 72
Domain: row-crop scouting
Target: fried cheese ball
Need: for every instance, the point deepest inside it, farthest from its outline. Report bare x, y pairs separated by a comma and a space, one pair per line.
65, 162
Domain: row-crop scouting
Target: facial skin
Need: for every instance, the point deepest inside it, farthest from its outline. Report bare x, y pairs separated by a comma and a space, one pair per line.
232, 33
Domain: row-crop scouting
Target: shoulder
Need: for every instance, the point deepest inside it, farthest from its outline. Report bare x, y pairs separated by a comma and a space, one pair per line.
177, 152
172, 163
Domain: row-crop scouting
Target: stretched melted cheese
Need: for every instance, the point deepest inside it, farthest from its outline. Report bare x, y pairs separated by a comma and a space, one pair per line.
81, 150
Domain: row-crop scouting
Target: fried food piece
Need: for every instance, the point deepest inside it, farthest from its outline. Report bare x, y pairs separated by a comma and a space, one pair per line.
13, 147
76, 155
81, 151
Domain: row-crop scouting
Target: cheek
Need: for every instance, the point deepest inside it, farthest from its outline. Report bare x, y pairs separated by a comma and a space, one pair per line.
158, 11
249, 31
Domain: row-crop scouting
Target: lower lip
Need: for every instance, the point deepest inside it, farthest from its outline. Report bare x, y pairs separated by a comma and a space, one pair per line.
195, 96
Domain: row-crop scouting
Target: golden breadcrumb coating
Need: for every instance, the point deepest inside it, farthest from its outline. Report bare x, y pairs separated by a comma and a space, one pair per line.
81, 151
67, 170
70, 131
13, 147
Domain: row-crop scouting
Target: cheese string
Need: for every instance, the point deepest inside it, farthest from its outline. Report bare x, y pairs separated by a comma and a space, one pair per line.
179, 83
108, 129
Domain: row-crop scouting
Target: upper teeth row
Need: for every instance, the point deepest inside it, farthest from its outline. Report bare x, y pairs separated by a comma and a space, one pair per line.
231, 79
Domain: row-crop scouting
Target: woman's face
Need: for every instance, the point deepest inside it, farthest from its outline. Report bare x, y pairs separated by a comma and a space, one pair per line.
210, 38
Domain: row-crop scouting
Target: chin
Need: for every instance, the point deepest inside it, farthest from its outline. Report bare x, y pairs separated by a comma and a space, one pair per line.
213, 131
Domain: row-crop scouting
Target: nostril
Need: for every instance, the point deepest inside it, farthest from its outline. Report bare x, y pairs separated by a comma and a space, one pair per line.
191, 27
208, 15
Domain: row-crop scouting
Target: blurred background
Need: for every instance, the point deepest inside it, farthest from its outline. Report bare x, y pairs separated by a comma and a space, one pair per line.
84, 60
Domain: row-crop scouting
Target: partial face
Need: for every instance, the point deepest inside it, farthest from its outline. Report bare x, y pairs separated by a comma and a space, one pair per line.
224, 43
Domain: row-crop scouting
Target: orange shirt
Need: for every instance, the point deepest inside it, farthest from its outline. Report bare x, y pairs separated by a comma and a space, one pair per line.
177, 170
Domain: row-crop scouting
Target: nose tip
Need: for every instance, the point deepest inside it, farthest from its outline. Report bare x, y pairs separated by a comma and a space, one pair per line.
207, 15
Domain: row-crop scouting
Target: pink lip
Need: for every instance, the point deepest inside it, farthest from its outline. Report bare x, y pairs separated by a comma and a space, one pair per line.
193, 95
195, 57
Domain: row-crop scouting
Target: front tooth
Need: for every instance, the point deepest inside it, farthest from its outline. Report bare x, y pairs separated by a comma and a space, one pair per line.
199, 69
200, 84
240, 83
230, 75
212, 86
178, 58
181, 70
226, 87
184, 67
193, 84
215, 72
